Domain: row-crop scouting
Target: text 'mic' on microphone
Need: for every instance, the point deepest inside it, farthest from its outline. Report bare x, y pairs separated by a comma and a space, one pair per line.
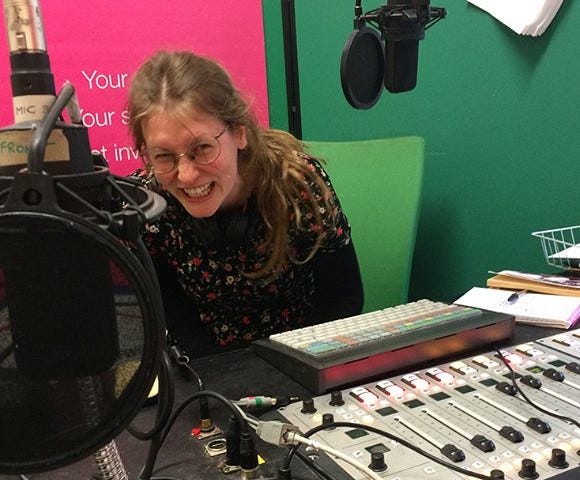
383, 49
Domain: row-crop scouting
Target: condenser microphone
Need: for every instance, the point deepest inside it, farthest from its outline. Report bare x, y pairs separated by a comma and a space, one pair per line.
404, 27
382, 52
81, 317
33, 91
85, 186
31, 77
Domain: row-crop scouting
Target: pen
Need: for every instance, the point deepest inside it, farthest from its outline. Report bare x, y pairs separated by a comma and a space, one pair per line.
514, 297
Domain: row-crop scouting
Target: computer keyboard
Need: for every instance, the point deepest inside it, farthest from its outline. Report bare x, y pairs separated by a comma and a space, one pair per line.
353, 349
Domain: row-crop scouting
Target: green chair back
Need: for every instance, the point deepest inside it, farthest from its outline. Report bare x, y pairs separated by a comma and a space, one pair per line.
379, 185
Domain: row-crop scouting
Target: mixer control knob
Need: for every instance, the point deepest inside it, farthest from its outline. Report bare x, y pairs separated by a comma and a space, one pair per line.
378, 462
308, 406
558, 459
327, 418
336, 398
497, 475
528, 470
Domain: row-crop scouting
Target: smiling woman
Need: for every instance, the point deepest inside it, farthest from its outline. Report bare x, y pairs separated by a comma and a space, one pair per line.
254, 240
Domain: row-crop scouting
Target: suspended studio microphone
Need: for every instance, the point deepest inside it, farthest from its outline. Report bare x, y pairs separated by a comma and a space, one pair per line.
49, 179
81, 318
404, 26
385, 56
84, 183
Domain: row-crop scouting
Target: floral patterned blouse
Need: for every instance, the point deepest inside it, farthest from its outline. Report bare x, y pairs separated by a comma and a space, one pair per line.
232, 306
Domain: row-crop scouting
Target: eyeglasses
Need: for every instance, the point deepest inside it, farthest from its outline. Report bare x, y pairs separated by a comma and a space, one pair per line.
202, 151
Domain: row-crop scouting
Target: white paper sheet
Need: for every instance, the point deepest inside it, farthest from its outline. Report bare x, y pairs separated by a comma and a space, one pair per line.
525, 17
536, 308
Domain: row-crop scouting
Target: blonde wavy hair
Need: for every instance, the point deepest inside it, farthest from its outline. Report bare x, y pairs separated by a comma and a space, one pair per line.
182, 81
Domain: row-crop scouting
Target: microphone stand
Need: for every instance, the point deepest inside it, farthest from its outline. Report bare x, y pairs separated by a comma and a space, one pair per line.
109, 463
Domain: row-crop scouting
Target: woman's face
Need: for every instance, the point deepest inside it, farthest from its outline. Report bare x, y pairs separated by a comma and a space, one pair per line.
201, 189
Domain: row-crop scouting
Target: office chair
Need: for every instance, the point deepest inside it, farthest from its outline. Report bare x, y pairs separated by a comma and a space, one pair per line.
379, 185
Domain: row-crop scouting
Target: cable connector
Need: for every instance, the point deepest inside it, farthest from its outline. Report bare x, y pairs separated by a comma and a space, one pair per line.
277, 433
256, 402
249, 462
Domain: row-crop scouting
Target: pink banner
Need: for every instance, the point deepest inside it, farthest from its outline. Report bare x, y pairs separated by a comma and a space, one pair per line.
98, 45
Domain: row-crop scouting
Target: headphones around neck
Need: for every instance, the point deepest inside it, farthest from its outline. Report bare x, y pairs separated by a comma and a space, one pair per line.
221, 230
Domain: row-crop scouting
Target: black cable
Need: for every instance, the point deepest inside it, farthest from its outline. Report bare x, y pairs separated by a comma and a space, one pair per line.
164, 404
390, 436
527, 399
160, 437
206, 393
152, 453
174, 350
183, 361
318, 469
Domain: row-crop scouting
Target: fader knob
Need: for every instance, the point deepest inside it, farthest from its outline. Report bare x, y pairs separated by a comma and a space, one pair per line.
558, 459
378, 462
336, 398
507, 388
554, 374
531, 381
308, 406
528, 470
573, 367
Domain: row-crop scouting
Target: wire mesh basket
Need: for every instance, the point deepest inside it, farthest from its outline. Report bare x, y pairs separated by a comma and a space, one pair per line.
561, 247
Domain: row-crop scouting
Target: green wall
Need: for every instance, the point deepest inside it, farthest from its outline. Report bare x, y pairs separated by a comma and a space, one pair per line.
500, 116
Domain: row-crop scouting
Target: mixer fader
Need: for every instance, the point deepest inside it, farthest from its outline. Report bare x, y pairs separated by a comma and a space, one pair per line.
467, 413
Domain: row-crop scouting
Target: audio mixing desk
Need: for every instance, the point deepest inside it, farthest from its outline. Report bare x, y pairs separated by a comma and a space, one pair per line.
466, 412
450, 408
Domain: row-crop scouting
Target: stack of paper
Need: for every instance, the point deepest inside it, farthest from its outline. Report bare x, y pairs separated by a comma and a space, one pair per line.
526, 17
534, 282
559, 311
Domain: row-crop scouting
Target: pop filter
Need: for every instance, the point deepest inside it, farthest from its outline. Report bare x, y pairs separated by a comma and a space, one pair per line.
371, 60
81, 318
82, 342
362, 67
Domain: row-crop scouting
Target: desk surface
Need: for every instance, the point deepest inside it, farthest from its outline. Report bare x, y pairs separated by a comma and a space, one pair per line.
235, 375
